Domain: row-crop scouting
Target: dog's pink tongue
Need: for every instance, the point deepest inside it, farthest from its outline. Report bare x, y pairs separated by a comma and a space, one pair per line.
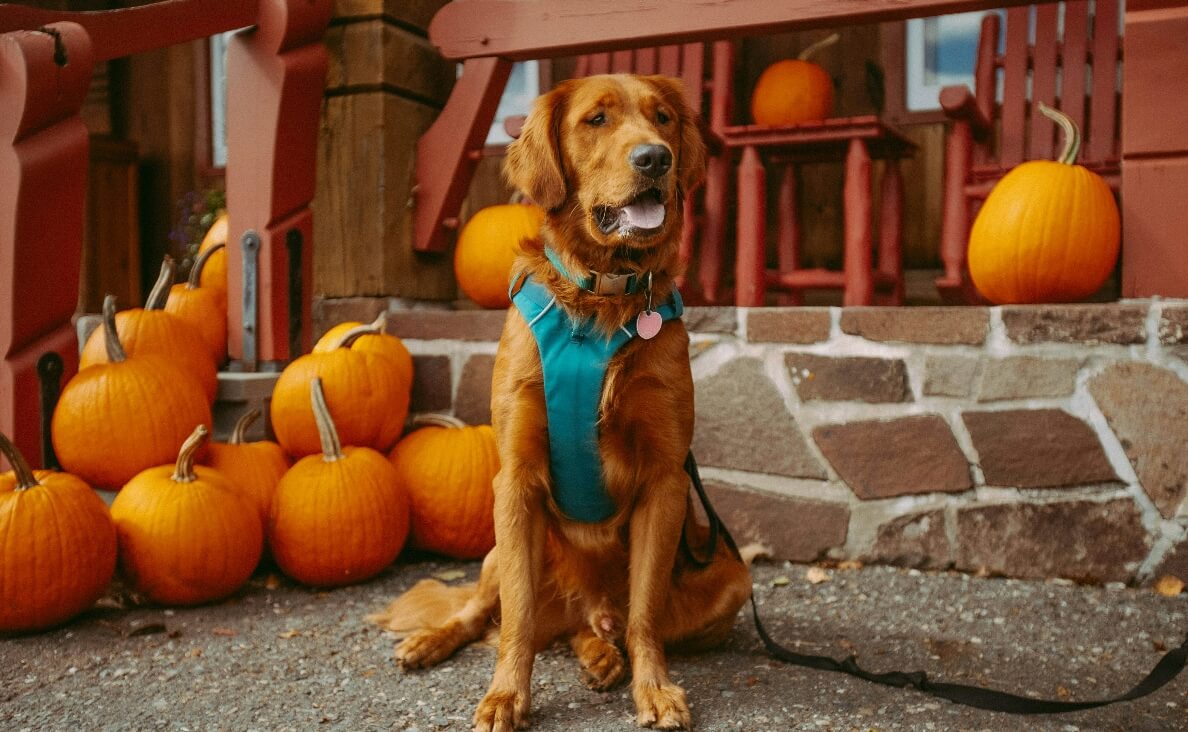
642, 215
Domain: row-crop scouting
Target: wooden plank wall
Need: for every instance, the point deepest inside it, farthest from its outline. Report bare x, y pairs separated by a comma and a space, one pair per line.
386, 85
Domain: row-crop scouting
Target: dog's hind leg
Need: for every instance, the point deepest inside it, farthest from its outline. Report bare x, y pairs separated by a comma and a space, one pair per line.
433, 645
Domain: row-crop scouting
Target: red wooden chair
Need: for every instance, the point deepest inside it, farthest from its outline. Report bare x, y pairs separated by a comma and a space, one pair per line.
1075, 71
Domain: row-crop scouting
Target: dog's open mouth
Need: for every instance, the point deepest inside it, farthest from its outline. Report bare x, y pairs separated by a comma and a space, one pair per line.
644, 214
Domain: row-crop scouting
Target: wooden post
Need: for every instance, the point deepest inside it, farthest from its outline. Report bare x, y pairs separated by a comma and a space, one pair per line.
891, 230
44, 77
751, 267
788, 231
857, 251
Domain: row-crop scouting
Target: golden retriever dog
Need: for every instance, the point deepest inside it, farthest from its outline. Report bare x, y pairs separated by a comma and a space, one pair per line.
610, 158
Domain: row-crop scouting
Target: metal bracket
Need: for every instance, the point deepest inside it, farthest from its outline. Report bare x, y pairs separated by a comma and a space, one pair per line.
251, 289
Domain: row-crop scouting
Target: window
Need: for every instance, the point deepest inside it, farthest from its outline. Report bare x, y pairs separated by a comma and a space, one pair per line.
522, 87
218, 99
938, 52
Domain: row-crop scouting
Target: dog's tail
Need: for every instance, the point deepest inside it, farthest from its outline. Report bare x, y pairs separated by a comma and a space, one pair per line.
426, 605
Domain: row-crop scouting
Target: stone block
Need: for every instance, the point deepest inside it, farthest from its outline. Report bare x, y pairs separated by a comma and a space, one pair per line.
330, 311
1037, 448
472, 404
795, 529
711, 319
938, 325
1147, 408
237, 394
1173, 325
882, 459
950, 376
1175, 563
788, 325
1027, 377
915, 540
742, 424
848, 378
466, 325
432, 389
1088, 324
1080, 540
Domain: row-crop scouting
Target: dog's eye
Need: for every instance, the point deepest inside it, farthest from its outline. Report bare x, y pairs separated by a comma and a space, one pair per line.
662, 117
597, 120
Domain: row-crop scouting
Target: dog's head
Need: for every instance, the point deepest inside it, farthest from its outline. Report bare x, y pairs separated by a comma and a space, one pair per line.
611, 159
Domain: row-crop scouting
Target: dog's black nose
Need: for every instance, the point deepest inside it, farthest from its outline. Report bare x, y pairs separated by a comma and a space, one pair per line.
651, 160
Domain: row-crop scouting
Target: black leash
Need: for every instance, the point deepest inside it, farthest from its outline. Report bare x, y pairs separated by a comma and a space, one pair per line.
1168, 668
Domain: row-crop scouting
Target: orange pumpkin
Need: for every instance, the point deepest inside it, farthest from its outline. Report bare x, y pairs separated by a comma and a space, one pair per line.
57, 545
153, 330
252, 468
448, 469
488, 246
203, 309
367, 389
214, 274
127, 413
338, 517
1048, 232
794, 91
186, 535
372, 339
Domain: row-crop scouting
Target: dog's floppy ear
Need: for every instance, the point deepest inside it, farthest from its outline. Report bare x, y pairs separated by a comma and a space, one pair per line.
534, 163
691, 156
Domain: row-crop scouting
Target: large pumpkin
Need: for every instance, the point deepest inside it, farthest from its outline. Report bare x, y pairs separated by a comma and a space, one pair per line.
252, 468
127, 413
487, 247
214, 274
203, 309
369, 338
186, 536
448, 469
367, 389
57, 545
794, 91
153, 330
1048, 232
338, 517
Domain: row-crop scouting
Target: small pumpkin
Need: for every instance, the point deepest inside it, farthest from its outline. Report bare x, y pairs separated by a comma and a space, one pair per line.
1048, 232
153, 330
448, 468
338, 517
252, 468
57, 545
372, 339
214, 274
119, 416
203, 309
488, 246
794, 91
186, 536
368, 391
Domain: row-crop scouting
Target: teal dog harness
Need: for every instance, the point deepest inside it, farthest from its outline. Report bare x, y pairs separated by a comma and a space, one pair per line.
574, 358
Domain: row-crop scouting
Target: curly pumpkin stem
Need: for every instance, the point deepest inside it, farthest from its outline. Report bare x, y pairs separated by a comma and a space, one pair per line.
1072, 135
807, 53
20, 468
242, 425
111, 339
375, 327
183, 471
160, 292
331, 446
196, 271
435, 419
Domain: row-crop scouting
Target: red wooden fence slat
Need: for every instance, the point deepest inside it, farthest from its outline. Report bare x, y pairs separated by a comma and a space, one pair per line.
1010, 150
600, 63
622, 62
670, 60
1043, 80
1072, 72
1100, 133
645, 61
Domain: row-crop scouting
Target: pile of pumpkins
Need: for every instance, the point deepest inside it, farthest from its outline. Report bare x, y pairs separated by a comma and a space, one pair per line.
333, 501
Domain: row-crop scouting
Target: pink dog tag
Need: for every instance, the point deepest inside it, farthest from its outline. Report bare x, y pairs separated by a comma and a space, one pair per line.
648, 323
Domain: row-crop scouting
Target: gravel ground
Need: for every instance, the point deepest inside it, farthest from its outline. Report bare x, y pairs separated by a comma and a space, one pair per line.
282, 657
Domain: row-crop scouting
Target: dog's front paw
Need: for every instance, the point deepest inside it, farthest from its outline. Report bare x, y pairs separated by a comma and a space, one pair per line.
603, 666
661, 706
502, 711
426, 648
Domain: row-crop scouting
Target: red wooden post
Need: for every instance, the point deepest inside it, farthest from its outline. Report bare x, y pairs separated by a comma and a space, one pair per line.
751, 267
44, 77
788, 231
955, 210
891, 231
859, 277
717, 177
276, 73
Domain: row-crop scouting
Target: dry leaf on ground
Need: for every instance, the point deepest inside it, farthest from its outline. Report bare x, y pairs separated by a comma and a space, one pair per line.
1169, 585
816, 575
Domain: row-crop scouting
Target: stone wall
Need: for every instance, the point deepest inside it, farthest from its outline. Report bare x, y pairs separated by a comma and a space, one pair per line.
1040, 441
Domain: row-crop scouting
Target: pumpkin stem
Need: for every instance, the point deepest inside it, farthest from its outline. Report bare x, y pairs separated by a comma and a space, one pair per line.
807, 53
183, 471
1072, 135
115, 349
435, 419
20, 468
242, 425
331, 447
199, 263
160, 292
375, 327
